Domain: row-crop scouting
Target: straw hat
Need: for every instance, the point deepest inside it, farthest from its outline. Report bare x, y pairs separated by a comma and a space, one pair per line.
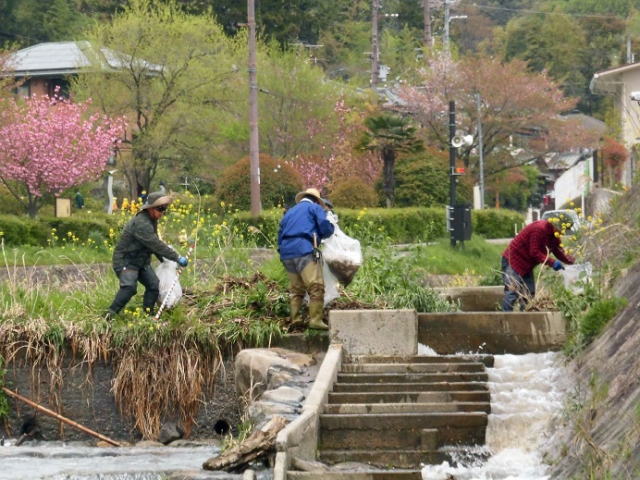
156, 199
312, 192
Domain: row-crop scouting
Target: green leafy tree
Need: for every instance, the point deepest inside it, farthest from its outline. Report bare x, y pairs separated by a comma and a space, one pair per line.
422, 180
63, 21
174, 75
552, 43
388, 136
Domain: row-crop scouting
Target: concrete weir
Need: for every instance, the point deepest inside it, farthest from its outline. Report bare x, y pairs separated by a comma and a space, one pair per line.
494, 333
376, 402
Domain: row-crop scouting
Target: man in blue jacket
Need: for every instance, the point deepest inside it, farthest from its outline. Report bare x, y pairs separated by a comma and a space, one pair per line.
301, 230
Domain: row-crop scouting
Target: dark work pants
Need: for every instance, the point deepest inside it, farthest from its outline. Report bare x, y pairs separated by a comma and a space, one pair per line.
129, 279
516, 287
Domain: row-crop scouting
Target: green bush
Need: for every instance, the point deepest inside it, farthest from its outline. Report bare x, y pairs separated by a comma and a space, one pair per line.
26, 231
422, 180
496, 223
279, 184
9, 204
82, 227
23, 231
401, 225
598, 316
353, 192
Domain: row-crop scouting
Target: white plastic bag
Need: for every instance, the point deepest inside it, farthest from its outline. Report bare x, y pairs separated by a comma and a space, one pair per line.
332, 217
167, 274
330, 285
343, 255
573, 274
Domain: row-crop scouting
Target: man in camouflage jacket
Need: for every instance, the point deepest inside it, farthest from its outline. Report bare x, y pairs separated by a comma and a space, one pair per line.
132, 256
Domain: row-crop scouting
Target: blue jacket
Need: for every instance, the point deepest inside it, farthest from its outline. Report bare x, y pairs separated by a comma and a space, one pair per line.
295, 237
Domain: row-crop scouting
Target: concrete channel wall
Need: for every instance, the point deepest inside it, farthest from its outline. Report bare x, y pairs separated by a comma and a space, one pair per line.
493, 333
474, 299
300, 438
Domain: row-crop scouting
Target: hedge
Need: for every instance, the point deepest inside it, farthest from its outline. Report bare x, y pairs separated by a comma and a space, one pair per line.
18, 230
405, 225
402, 225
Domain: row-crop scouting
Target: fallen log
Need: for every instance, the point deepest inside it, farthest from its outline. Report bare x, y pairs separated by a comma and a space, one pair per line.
259, 445
58, 416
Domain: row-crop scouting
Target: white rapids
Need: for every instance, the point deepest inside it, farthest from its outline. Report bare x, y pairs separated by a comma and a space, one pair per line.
526, 392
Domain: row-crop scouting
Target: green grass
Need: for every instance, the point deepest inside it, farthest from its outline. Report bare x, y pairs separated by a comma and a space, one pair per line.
475, 257
26, 255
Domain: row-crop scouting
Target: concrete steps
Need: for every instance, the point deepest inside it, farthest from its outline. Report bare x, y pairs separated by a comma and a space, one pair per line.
397, 413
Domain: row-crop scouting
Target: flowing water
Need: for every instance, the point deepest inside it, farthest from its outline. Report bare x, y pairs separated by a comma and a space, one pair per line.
526, 392
59, 461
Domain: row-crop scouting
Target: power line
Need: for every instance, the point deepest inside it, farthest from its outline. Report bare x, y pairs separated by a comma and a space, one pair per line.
579, 15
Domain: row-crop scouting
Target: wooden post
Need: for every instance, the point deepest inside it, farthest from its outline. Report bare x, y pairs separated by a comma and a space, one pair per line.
53, 414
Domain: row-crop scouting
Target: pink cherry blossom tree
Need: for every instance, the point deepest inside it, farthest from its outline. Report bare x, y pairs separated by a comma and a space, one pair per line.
337, 160
50, 144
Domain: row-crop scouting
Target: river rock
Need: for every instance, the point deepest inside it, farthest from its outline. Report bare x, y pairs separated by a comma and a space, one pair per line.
170, 432
259, 410
283, 394
252, 369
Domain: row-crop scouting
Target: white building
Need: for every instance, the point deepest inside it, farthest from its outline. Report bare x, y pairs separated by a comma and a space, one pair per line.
622, 82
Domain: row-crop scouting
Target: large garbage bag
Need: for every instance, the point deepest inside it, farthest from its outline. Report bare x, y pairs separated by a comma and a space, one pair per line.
167, 274
342, 255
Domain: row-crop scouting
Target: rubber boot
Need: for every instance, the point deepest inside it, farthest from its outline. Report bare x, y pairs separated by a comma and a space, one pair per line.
295, 305
316, 308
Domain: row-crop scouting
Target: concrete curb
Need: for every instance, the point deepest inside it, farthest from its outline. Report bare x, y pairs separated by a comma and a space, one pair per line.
300, 437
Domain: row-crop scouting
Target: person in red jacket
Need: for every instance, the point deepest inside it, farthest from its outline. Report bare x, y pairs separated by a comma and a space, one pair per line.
530, 248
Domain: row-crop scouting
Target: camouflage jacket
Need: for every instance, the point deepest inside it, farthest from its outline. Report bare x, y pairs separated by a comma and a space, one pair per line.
139, 240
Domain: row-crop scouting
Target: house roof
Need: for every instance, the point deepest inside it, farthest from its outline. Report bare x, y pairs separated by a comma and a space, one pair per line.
587, 121
64, 58
564, 161
607, 80
56, 58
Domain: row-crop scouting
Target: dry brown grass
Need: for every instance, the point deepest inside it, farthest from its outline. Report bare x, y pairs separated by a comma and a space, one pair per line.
148, 383
169, 379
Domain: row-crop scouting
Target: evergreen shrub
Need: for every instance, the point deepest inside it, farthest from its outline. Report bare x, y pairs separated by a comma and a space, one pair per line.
422, 180
353, 192
9, 204
21, 230
496, 223
279, 184
17, 230
82, 227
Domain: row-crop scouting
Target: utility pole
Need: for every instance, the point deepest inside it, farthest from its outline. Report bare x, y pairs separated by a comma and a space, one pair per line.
480, 153
374, 46
427, 23
254, 145
447, 19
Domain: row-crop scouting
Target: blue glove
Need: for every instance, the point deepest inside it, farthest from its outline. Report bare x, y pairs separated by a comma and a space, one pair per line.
558, 266
183, 261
